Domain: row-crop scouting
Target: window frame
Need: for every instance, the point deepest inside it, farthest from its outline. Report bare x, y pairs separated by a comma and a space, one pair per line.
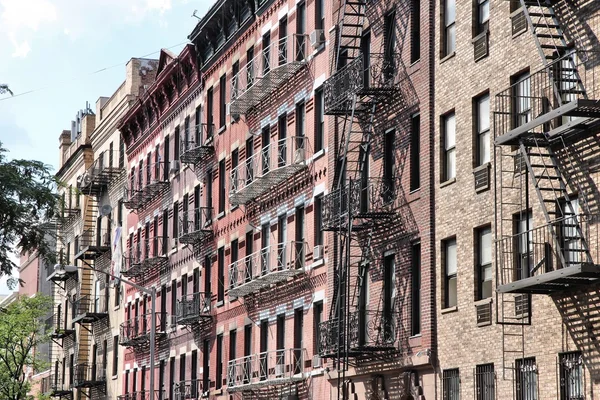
480, 266
448, 152
485, 382
448, 26
319, 139
451, 384
520, 377
449, 277
222, 101
481, 133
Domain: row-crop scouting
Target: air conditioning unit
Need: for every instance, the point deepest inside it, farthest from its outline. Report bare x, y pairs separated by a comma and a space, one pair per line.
106, 239
174, 166
172, 323
317, 38
317, 362
299, 156
318, 252
279, 369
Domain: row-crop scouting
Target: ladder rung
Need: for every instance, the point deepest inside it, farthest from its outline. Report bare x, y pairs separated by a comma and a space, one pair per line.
549, 26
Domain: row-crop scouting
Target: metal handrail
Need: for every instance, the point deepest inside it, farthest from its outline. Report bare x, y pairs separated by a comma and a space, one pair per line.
564, 80
194, 305
202, 135
90, 304
189, 389
288, 50
281, 365
195, 220
290, 151
268, 260
85, 372
105, 160
534, 252
139, 327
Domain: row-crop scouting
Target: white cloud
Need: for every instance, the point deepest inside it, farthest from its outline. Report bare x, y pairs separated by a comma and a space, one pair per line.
20, 49
20, 19
26, 14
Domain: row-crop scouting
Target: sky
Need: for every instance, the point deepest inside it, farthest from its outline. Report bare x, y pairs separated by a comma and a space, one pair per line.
57, 54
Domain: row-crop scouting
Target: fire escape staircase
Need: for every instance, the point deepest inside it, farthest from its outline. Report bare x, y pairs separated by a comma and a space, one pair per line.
564, 116
354, 95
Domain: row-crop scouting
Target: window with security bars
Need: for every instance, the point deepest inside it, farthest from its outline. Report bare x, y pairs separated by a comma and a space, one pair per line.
485, 382
570, 369
451, 384
526, 382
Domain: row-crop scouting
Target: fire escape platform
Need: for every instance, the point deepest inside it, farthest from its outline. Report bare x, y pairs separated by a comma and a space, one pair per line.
586, 111
91, 252
89, 317
554, 281
134, 271
102, 179
262, 184
195, 236
62, 333
254, 385
197, 154
264, 281
264, 86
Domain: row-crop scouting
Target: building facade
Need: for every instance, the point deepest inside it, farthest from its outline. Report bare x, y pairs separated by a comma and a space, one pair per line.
89, 233
515, 216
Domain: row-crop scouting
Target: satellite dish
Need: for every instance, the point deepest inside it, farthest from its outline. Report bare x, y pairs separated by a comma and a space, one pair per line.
105, 210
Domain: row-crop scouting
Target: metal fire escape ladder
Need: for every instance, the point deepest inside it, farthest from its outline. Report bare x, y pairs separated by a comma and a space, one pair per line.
351, 20
552, 191
552, 45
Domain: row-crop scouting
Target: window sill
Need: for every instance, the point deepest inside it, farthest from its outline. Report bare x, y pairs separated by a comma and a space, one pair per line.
115, 377
221, 215
449, 310
415, 191
222, 129
447, 57
447, 183
318, 154
483, 301
519, 33
233, 208
318, 50
220, 303
415, 63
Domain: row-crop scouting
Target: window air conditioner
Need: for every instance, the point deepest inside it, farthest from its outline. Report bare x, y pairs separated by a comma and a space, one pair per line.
174, 166
317, 38
318, 252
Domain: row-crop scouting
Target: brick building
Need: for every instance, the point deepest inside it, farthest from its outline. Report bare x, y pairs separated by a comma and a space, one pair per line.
514, 185
88, 229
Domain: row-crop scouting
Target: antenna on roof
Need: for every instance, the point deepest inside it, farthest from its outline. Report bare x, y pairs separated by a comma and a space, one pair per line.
194, 14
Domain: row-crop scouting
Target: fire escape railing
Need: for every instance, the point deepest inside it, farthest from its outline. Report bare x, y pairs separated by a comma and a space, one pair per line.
92, 243
89, 308
269, 368
89, 375
190, 389
272, 165
143, 395
270, 265
193, 308
195, 225
136, 331
106, 167
144, 188
198, 147
267, 71
367, 331
535, 104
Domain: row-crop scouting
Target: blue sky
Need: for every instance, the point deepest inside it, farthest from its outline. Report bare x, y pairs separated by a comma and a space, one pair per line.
54, 48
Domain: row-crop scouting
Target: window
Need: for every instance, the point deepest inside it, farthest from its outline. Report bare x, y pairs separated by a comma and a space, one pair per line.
222, 100
182, 368
482, 15
484, 262
176, 144
317, 319
521, 87
250, 66
175, 220
300, 30
389, 165
266, 52
235, 161
449, 147
209, 189
389, 39
389, 289
121, 153
166, 157
416, 289
451, 384
449, 273
281, 142
205, 364
449, 28
186, 131
300, 122
320, 14
319, 120
115, 360
526, 379
571, 376
197, 127
171, 376
209, 107
222, 189
415, 31
415, 150
221, 272
219, 378
570, 234
249, 165
485, 382
318, 214
232, 344
523, 226
283, 24
482, 126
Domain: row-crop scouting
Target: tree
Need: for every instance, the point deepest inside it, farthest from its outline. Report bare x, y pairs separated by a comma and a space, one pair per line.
4, 89
22, 329
28, 201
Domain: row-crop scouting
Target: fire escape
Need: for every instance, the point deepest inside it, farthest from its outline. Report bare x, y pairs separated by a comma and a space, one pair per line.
363, 85
541, 121
260, 78
135, 333
150, 183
